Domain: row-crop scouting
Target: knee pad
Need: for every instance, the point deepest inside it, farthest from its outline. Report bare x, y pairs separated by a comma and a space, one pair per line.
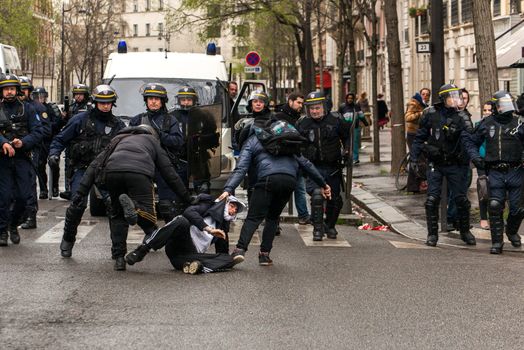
462, 203
495, 207
317, 206
432, 203
317, 198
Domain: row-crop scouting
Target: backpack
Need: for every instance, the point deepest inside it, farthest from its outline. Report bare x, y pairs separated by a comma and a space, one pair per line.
280, 139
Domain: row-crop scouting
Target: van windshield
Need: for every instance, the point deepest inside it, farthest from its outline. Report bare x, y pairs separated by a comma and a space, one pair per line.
130, 101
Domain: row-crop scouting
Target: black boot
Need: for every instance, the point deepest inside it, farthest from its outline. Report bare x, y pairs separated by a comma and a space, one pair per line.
463, 207
13, 234
65, 195
432, 221
30, 221
332, 212
512, 228
66, 248
496, 225
72, 220
317, 215
137, 255
43, 195
120, 264
3, 238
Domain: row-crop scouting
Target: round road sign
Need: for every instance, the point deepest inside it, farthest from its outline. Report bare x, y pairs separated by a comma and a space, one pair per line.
253, 59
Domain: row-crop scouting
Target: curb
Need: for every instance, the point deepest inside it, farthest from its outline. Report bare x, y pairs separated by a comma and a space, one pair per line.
400, 224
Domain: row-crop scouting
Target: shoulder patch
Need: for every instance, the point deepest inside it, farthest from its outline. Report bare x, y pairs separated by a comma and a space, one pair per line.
44, 115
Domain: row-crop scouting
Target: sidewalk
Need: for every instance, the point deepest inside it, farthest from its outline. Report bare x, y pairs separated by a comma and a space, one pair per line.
374, 190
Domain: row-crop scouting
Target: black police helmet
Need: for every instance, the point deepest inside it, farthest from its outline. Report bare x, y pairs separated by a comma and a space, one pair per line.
9, 80
80, 89
257, 95
503, 102
26, 83
154, 90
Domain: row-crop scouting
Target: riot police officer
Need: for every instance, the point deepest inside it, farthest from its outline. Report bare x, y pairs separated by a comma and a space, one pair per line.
81, 103
171, 139
328, 135
54, 122
439, 137
503, 139
87, 135
20, 132
32, 205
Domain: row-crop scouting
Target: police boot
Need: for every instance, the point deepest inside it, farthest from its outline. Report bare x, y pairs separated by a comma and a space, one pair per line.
137, 255
72, 220
120, 264
55, 192
463, 207
512, 228
43, 194
66, 248
13, 234
3, 238
317, 215
432, 220
496, 224
65, 195
30, 221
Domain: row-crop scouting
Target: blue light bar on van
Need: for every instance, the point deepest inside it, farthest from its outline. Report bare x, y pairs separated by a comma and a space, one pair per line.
122, 46
211, 49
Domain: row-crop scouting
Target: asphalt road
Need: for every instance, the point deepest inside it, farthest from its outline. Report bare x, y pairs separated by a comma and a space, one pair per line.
382, 292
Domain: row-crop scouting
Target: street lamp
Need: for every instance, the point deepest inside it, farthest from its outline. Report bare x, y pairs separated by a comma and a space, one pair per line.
62, 69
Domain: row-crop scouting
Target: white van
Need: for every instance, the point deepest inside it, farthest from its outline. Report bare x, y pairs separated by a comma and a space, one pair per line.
9, 61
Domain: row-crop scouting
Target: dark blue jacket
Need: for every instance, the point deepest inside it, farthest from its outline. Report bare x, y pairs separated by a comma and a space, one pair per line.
172, 138
74, 128
253, 153
206, 206
41, 111
34, 126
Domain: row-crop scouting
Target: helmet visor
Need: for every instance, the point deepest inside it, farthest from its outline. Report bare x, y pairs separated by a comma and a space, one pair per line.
505, 104
453, 99
316, 110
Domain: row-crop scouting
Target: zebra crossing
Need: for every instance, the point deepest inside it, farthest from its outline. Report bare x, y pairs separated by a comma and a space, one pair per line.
135, 236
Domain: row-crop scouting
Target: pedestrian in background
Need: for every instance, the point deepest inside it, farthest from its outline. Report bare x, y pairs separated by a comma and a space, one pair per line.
351, 111
487, 110
382, 111
412, 116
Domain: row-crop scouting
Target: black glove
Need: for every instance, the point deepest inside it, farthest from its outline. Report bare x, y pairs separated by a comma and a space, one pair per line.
77, 199
53, 161
479, 163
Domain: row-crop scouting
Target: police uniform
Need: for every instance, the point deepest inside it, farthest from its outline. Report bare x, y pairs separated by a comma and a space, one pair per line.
18, 120
503, 139
171, 139
327, 136
439, 136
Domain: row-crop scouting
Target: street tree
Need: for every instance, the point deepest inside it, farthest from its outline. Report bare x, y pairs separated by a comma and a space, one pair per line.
297, 15
18, 27
368, 13
91, 27
398, 138
485, 50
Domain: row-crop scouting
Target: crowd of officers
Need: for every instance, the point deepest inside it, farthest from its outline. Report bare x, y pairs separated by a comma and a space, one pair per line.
100, 151
449, 141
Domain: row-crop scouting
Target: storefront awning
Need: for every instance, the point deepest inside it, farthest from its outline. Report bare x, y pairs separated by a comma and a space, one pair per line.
510, 49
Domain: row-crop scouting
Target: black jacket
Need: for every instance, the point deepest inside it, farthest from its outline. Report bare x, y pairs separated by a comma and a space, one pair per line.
287, 114
135, 153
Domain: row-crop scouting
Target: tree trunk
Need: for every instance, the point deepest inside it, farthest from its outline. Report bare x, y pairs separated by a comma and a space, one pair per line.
374, 83
485, 50
308, 70
398, 136
352, 61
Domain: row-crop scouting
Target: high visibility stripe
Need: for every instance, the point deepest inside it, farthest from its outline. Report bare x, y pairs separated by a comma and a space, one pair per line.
156, 92
105, 96
448, 90
9, 81
187, 93
315, 99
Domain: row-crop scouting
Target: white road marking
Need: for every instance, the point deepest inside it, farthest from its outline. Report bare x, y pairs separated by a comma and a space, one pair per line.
306, 233
54, 234
407, 245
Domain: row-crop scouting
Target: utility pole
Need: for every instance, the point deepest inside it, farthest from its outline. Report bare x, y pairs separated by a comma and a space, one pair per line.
437, 80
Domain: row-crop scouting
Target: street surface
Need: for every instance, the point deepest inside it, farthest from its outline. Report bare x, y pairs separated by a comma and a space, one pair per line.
367, 290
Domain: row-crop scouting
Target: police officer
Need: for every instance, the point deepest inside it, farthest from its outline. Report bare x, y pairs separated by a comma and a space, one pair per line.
275, 181
171, 139
81, 103
87, 134
53, 123
503, 164
20, 132
439, 137
126, 168
328, 134
32, 205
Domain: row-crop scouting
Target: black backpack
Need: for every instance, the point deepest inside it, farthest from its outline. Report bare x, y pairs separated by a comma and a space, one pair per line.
280, 139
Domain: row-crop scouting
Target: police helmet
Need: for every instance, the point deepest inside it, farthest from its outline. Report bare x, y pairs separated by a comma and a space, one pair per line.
104, 93
39, 92
26, 83
503, 102
186, 92
80, 89
257, 95
154, 90
315, 98
451, 96
9, 80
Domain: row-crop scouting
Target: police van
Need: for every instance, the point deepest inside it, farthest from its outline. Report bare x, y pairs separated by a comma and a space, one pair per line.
9, 61
128, 72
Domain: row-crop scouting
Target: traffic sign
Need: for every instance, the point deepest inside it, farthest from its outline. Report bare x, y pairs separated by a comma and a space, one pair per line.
253, 59
255, 70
